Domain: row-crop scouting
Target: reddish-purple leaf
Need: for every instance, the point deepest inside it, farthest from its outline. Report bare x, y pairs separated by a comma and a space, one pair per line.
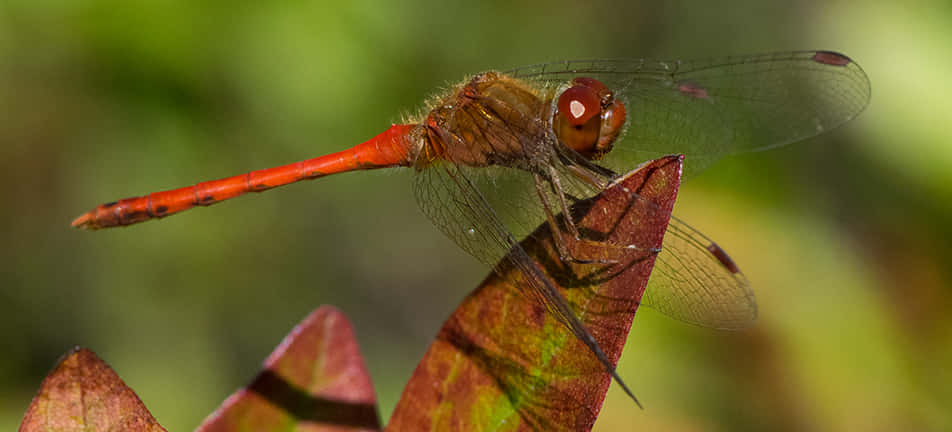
502, 362
84, 394
315, 380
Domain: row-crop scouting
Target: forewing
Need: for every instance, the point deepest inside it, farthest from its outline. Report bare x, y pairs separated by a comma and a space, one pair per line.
706, 109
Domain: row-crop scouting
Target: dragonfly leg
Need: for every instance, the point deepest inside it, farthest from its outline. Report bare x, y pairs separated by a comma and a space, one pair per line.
587, 176
600, 181
557, 232
573, 246
609, 251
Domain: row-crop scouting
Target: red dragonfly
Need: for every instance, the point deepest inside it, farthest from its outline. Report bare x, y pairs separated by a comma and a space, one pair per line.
504, 151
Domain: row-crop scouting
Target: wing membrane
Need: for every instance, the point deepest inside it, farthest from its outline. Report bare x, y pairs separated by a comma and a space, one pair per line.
693, 284
706, 109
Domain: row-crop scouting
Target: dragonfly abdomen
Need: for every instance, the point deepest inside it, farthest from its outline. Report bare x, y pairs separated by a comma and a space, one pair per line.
160, 204
390, 148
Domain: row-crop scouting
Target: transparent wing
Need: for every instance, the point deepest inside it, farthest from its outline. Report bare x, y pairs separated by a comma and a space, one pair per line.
706, 109
484, 211
694, 281
487, 210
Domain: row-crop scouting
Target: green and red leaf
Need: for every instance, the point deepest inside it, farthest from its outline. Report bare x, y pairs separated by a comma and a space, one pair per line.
315, 380
501, 362
84, 394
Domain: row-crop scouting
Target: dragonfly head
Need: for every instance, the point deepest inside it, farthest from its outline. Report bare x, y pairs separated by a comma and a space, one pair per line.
588, 118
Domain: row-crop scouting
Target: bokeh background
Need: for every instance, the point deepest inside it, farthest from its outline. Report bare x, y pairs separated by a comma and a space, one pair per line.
846, 237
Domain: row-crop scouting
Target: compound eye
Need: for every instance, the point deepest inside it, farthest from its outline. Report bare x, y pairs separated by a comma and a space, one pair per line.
588, 118
578, 104
600, 89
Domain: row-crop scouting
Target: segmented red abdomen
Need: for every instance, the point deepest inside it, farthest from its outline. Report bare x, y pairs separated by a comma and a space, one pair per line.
390, 148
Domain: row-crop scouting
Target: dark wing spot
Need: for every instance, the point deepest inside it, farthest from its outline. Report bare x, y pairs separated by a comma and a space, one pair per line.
831, 58
691, 89
722, 256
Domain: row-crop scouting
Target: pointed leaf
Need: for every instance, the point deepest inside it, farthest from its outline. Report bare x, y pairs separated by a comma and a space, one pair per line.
501, 362
315, 380
84, 394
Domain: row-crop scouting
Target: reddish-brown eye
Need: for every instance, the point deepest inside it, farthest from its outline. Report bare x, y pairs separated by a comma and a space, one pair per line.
578, 104
600, 89
613, 119
589, 119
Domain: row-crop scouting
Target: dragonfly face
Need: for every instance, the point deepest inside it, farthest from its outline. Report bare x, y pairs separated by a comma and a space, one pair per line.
588, 118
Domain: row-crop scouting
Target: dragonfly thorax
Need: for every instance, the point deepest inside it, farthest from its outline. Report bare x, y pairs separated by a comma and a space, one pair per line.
493, 119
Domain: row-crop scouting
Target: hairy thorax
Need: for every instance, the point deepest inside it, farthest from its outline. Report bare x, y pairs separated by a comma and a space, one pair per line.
491, 120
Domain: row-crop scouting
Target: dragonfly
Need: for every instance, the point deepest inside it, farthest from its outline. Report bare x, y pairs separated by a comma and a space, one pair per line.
505, 151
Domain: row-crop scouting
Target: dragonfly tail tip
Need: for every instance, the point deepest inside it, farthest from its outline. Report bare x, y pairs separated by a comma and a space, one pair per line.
84, 222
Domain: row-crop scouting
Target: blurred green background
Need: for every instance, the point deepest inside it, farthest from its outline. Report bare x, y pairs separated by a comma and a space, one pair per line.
846, 238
